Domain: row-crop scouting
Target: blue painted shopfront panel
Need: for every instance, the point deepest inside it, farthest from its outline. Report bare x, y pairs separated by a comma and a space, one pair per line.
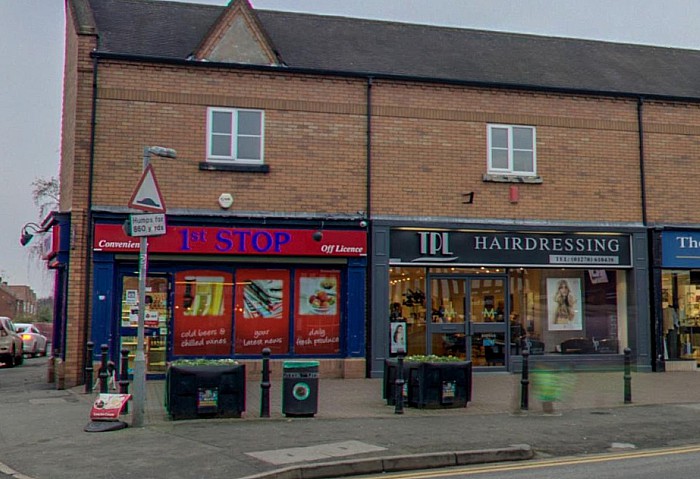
680, 249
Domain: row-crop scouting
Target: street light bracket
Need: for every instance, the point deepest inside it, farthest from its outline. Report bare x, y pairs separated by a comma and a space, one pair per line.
28, 232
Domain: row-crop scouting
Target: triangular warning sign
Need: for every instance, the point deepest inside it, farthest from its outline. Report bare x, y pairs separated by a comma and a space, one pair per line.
147, 195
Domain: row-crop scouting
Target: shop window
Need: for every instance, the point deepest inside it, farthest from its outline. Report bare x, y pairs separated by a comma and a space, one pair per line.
202, 313
262, 311
680, 303
512, 151
235, 136
155, 321
569, 311
317, 312
408, 303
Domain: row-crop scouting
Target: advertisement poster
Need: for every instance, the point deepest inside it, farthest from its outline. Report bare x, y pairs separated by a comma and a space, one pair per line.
203, 306
108, 407
317, 322
262, 311
398, 337
156, 311
564, 304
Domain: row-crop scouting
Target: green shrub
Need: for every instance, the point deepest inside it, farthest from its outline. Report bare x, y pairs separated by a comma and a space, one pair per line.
432, 358
204, 362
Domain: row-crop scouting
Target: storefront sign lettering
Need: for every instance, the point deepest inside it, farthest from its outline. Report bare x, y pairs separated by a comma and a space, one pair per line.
680, 249
502, 248
517, 243
111, 238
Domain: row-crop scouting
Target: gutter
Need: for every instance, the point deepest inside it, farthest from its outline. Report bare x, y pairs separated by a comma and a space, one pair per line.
392, 77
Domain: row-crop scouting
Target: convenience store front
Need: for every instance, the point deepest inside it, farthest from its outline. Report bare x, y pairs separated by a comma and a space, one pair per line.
486, 295
223, 292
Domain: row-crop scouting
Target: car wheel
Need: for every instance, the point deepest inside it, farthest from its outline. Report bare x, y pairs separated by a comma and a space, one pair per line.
19, 359
35, 353
11, 360
45, 352
7, 360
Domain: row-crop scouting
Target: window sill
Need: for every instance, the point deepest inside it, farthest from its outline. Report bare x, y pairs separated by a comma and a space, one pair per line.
512, 179
207, 166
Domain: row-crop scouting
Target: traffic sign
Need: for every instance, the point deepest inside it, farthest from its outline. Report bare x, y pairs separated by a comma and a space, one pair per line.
147, 195
147, 225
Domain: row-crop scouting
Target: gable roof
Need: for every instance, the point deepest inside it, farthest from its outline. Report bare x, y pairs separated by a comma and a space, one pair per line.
173, 30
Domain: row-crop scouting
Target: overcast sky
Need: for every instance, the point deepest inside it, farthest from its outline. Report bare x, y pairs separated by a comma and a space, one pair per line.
31, 33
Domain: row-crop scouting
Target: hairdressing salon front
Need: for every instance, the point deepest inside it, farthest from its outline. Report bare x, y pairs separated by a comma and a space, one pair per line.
569, 297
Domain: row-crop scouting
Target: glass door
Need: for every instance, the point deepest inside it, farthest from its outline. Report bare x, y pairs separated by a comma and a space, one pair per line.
468, 318
488, 310
447, 323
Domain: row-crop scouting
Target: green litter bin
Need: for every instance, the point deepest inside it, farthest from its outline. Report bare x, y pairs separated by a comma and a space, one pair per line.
300, 388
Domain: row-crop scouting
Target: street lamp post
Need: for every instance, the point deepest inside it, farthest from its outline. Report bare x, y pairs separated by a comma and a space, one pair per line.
139, 389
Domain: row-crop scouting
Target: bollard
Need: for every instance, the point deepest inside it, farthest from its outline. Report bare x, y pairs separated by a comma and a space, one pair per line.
102, 374
628, 376
265, 384
88, 367
525, 382
124, 376
398, 390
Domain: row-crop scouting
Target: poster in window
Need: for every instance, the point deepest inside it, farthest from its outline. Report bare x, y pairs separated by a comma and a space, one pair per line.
564, 304
398, 337
317, 321
203, 311
156, 310
262, 311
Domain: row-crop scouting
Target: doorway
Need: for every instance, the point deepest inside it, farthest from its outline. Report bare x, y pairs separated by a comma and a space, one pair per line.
468, 318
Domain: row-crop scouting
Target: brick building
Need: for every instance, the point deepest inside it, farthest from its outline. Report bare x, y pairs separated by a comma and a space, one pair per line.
344, 188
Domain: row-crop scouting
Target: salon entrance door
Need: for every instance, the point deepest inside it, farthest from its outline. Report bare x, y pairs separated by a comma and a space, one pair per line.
468, 318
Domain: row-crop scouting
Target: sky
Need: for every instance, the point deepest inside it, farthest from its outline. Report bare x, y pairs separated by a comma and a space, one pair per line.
32, 36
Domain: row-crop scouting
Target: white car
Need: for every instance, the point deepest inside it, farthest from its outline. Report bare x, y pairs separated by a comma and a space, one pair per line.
11, 349
35, 343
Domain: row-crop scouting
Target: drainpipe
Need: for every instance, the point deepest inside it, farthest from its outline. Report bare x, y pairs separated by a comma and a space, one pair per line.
88, 222
656, 326
368, 215
642, 177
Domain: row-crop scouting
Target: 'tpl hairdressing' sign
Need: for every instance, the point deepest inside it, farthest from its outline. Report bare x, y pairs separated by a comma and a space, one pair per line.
510, 248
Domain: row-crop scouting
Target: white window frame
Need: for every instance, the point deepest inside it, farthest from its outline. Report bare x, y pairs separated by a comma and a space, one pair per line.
234, 137
509, 170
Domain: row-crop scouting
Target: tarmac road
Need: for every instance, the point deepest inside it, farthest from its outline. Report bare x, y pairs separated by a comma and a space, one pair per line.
42, 435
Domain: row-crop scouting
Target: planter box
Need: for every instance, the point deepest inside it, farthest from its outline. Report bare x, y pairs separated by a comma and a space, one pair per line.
205, 391
430, 384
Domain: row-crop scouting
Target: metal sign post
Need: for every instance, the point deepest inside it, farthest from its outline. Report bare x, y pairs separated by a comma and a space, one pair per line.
147, 197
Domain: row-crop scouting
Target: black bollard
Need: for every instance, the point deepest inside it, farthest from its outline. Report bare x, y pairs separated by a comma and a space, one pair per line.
398, 389
103, 374
124, 377
88, 366
265, 384
628, 376
525, 381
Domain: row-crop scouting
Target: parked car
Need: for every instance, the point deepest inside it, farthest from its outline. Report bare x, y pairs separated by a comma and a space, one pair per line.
11, 346
35, 343
46, 329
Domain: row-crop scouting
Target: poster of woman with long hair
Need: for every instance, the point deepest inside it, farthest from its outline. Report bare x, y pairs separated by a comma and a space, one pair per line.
564, 304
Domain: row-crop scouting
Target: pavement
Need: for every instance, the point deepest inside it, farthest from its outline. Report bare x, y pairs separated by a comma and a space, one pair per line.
354, 430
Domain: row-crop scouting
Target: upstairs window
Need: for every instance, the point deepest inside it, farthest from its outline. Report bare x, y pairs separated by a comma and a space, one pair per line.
235, 135
512, 150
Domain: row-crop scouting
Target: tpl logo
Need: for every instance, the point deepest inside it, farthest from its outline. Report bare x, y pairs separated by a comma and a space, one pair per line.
434, 243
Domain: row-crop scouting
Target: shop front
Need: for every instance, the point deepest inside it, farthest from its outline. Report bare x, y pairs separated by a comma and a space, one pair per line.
485, 295
223, 292
678, 304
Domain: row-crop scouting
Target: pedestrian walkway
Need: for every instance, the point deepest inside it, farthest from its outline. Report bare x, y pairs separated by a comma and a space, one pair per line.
354, 430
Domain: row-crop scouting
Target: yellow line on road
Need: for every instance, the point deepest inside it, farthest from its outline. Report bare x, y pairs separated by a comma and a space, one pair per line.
540, 464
